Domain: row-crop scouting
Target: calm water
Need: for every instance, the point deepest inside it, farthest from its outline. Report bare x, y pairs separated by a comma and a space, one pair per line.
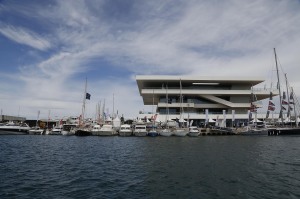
136, 167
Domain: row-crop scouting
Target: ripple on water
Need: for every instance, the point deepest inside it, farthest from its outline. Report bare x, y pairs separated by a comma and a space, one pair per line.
114, 167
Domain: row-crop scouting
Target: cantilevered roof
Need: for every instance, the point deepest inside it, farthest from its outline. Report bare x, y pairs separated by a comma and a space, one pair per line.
144, 81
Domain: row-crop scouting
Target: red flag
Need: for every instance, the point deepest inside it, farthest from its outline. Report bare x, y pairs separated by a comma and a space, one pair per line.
155, 117
253, 108
284, 102
271, 108
271, 103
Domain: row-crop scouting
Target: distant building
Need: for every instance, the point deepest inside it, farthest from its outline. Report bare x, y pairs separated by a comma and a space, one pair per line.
217, 95
6, 118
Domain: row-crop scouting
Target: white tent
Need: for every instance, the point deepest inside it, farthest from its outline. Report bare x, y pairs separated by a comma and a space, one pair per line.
252, 121
211, 120
117, 122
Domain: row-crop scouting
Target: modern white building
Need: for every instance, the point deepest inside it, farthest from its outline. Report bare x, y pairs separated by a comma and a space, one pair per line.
203, 98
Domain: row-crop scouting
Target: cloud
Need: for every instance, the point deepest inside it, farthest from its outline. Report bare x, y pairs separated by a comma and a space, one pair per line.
230, 38
23, 36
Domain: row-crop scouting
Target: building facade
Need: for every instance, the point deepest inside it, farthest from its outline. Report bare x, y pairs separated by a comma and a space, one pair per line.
201, 98
6, 118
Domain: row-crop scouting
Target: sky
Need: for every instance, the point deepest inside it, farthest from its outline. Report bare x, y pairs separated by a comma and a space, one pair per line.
49, 48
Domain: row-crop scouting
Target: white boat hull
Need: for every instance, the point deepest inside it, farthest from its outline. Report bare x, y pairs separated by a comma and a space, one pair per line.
13, 129
35, 132
166, 133
193, 134
67, 133
180, 132
103, 133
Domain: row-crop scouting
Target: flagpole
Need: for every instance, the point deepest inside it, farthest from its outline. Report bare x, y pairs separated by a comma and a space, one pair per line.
288, 98
113, 116
233, 118
37, 118
84, 99
48, 119
295, 112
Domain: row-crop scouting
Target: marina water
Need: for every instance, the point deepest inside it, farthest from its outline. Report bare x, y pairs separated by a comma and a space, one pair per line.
144, 167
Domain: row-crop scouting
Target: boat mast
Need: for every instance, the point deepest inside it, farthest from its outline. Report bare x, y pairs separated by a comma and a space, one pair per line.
113, 114
280, 113
181, 120
99, 112
48, 119
84, 100
37, 119
295, 112
288, 98
167, 100
152, 109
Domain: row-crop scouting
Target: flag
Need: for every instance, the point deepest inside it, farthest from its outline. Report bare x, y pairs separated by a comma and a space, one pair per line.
271, 103
252, 108
155, 116
291, 102
271, 108
284, 102
88, 96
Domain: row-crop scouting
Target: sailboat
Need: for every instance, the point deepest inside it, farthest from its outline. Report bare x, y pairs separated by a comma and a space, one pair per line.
181, 131
109, 124
153, 132
36, 130
167, 130
83, 130
282, 129
193, 131
253, 127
